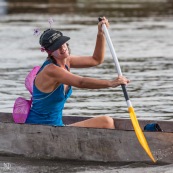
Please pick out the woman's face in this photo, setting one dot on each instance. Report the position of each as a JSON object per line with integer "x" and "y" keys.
{"x": 62, "y": 52}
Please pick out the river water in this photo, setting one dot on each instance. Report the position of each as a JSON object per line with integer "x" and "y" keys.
{"x": 142, "y": 33}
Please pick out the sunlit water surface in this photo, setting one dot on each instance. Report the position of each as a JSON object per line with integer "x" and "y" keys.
{"x": 142, "y": 33}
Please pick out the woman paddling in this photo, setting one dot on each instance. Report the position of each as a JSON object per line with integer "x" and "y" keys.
{"x": 52, "y": 85}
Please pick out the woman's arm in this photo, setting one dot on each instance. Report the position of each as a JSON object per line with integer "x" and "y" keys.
{"x": 60, "y": 75}
{"x": 99, "y": 51}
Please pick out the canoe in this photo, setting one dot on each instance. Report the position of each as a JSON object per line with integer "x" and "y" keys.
{"x": 87, "y": 144}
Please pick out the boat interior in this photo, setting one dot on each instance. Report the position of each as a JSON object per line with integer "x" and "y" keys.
{"x": 120, "y": 124}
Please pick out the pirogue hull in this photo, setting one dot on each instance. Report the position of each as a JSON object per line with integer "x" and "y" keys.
{"x": 88, "y": 144}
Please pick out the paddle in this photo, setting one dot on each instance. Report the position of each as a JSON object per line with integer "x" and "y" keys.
{"x": 134, "y": 120}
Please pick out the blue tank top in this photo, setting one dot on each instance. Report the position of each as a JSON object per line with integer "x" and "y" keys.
{"x": 47, "y": 108}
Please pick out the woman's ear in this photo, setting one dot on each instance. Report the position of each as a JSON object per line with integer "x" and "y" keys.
{"x": 55, "y": 54}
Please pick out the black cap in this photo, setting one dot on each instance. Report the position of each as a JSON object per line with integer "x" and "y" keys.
{"x": 52, "y": 39}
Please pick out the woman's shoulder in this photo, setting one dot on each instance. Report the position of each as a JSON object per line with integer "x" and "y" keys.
{"x": 50, "y": 68}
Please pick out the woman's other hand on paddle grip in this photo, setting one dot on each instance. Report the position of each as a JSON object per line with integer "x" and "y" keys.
{"x": 119, "y": 81}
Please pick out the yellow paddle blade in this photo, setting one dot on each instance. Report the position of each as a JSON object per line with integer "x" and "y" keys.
{"x": 139, "y": 133}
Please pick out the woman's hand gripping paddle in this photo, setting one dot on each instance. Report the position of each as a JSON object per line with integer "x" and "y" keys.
{"x": 134, "y": 120}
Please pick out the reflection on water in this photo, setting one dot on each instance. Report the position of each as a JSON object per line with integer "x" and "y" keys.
{"x": 3, "y": 7}
{"x": 116, "y": 8}
{"x": 16, "y": 165}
